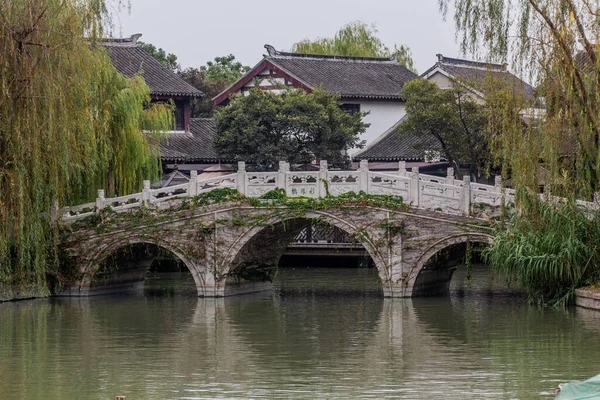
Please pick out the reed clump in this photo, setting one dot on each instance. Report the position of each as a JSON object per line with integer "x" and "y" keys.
{"x": 552, "y": 251}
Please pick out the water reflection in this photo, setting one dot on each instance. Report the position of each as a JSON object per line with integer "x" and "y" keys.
{"x": 296, "y": 343}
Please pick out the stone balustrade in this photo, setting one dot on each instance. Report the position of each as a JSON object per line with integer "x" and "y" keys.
{"x": 445, "y": 194}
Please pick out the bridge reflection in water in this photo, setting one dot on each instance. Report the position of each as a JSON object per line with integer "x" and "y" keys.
{"x": 299, "y": 345}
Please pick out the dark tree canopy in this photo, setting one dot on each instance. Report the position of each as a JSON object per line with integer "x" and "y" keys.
{"x": 355, "y": 39}
{"x": 168, "y": 59}
{"x": 224, "y": 69}
{"x": 212, "y": 79}
{"x": 448, "y": 121}
{"x": 263, "y": 128}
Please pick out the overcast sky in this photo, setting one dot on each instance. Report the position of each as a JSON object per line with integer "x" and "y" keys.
{"x": 198, "y": 30}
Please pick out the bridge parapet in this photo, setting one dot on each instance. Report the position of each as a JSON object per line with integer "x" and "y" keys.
{"x": 418, "y": 190}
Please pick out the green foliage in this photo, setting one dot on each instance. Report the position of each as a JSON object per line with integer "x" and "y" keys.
{"x": 355, "y": 39}
{"x": 347, "y": 200}
{"x": 551, "y": 255}
{"x": 169, "y": 60}
{"x": 448, "y": 121}
{"x": 224, "y": 69}
{"x": 263, "y": 128}
{"x": 211, "y": 80}
{"x": 69, "y": 124}
{"x": 275, "y": 194}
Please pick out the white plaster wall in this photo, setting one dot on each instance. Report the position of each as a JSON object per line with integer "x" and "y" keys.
{"x": 382, "y": 115}
{"x": 443, "y": 82}
{"x": 440, "y": 80}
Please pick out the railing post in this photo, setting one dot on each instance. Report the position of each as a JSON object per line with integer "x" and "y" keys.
{"x": 402, "y": 168}
{"x": 240, "y": 181}
{"x": 193, "y": 189}
{"x": 54, "y": 210}
{"x": 146, "y": 193}
{"x": 415, "y": 186}
{"x": 498, "y": 183}
{"x": 323, "y": 178}
{"x": 450, "y": 176}
{"x": 363, "y": 180}
{"x": 100, "y": 200}
{"x": 498, "y": 189}
{"x": 465, "y": 196}
{"x": 284, "y": 167}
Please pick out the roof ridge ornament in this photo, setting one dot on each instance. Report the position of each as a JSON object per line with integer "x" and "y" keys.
{"x": 135, "y": 37}
{"x": 271, "y": 50}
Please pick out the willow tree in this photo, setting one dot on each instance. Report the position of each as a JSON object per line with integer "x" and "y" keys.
{"x": 355, "y": 39}
{"x": 69, "y": 124}
{"x": 555, "y": 43}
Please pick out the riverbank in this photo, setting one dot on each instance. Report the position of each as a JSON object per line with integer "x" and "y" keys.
{"x": 21, "y": 293}
{"x": 588, "y": 298}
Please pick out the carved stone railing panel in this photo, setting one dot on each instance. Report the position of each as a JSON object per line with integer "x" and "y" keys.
{"x": 388, "y": 184}
{"x": 259, "y": 183}
{"x": 261, "y": 178}
{"x": 124, "y": 202}
{"x": 486, "y": 194}
{"x": 439, "y": 196}
{"x": 78, "y": 212}
{"x": 341, "y": 182}
{"x": 169, "y": 192}
{"x": 304, "y": 184}
{"x": 225, "y": 181}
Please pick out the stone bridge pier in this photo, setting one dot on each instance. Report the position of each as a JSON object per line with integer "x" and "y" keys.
{"x": 234, "y": 249}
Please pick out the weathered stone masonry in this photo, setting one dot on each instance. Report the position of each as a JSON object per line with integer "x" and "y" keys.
{"x": 217, "y": 241}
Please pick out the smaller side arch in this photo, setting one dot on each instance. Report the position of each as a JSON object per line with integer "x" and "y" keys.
{"x": 101, "y": 253}
{"x": 434, "y": 249}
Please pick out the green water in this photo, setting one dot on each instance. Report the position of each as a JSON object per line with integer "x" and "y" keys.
{"x": 308, "y": 340}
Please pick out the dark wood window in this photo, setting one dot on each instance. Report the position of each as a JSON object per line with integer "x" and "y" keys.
{"x": 350, "y": 108}
{"x": 179, "y": 115}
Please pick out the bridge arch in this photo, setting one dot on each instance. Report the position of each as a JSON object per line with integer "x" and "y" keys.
{"x": 418, "y": 284}
{"x": 250, "y": 244}
{"x": 104, "y": 251}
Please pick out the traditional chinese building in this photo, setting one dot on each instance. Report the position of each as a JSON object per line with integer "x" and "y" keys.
{"x": 470, "y": 75}
{"x": 364, "y": 84}
{"x": 189, "y": 146}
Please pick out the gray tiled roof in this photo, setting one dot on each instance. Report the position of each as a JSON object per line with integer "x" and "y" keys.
{"x": 473, "y": 73}
{"x": 130, "y": 59}
{"x": 369, "y": 78}
{"x": 194, "y": 146}
{"x": 391, "y": 146}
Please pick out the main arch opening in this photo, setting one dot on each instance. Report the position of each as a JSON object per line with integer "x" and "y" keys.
{"x": 142, "y": 267}
{"x": 307, "y": 255}
{"x": 456, "y": 267}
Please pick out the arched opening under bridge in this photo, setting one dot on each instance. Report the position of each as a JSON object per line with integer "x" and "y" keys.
{"x": 455, "y": 266}
{"x": 316, "y": 254}
{"x": 140, "y": 266}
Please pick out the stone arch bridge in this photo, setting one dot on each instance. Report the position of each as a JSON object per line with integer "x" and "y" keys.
{"x": 231, "y": 246}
